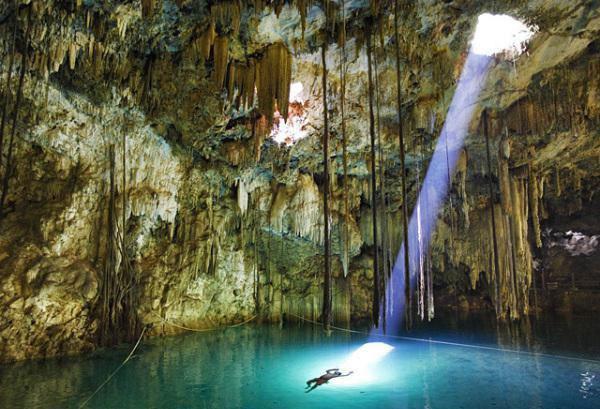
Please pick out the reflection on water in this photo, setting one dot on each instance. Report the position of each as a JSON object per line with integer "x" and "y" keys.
{"x": 587, "y": 384}
{"x": 265, "y": 367}
{"x": 577, "y": 335}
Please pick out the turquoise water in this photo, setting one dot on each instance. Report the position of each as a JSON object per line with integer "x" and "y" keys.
{"x": 264, "y": 367}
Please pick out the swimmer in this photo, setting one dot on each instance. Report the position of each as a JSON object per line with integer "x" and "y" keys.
{"x": 323, "y": 379}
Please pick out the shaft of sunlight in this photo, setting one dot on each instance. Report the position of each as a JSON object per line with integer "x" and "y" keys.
{"x": 494, "y": 34}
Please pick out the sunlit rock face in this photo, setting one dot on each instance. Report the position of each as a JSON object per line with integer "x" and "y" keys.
{"x": 220, "y": 222}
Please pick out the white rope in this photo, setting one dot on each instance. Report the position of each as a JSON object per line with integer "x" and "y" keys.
{"x": 203, "y": 329}
{"x": 433, "y": 341}
{"x": 115, "y": 371}
{"x": 138, "y": 343}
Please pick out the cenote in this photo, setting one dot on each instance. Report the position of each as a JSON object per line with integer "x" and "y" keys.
{"x": 299, "y": 204}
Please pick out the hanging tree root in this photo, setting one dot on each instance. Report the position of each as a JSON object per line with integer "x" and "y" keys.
{"x": 407, "y": 296}
{"x": 8, "y": 166}
{"x": 342, "y": 40}
{"x": 376, "y": 275}
{"x": 7, "y": 91}
{"x": 327, "y": 280}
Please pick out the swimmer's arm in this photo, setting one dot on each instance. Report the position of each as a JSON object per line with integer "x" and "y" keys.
{"x": 329, "y": 371}
{"x": 348, "y": 374}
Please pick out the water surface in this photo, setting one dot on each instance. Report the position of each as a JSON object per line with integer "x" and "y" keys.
{"x": 262, "y": 366}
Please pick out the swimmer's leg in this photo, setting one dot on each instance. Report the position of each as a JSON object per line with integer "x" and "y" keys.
{"x": 313, "y": 387}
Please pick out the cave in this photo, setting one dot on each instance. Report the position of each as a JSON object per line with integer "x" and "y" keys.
{"x": 299, "y": 204}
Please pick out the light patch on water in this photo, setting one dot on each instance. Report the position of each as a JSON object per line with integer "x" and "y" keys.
{"x": 501, "y": 33}
{"x": 363, "y": 363}
{"x": 587, "y": 384}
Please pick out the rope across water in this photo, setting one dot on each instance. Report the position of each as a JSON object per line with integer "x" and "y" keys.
{"x": 203, "y": 329}
{"x": 140, "y": 340}
{"x": 115, "y": 371}
{"x": 457, "y": 344}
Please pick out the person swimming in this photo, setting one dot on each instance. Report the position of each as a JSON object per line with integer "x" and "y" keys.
{"x": 323, "y": 379}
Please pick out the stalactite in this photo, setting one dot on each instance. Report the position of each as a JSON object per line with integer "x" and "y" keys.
{"x": 8, "y": 166}
{"x": 279, "y": 273}
{"x": 327, "y": 280}
{"x": 492, "y": 199}
{"x": 221, "y": 57}
{"x": 198, "y": 258}
{"x": 123, "y": 21}
{"x": 534, "y": 197}
{"x": 149, "y": 7}
{"x": 462, "y": 167}
{"x": 274, "y": 75}
{"x": 576, "y": 174}
{"x": 231, "y": 76}
{"x": 512, "y": 273}
{"x": 407, "y": 295}
{"x": 503, "y": 171}
{"x": 73, "y": 49}
{"x": 376, "y": 275}
{"x": 258, "y": 5}
{"x": 270, "y": 73}
{"x": 256, "y": 265}
{"x": 374, "y": 7}
{"x": 267, "y": 261}
{"x": 509, "y": 275}
{"x": 148, "y": 75}
{"x": 519, "y": 247}
{"x": 212, "y": 244}
{"x": 506, "y": 262}
{"x": 449, "y": 178}
{"x": 303, "y": 6}
{"x": 245, "y": 77}
{"x": 557, "y": 184}
{"x": 89, "y": 16}
{"x": 242, "y": 197}
{"x": 205, "y": 41}
{"x": 227, "y": 16}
